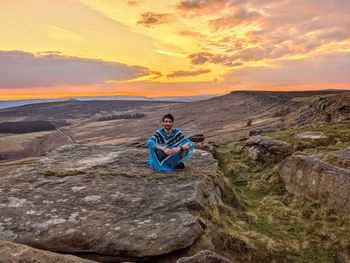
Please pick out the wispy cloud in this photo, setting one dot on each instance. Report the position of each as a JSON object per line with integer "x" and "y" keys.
{"x": 169, "y": 53}
{"x": 187, "y": 73}
{"x": 63, "y": 34}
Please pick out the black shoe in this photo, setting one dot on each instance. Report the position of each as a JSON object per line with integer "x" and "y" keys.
{"x": 180, "y": 166}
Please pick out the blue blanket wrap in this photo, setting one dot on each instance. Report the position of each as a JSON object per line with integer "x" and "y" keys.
{"x": 162, "y": 162}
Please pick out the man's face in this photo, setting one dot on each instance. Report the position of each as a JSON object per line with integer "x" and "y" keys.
{"x": 167, "y": 123}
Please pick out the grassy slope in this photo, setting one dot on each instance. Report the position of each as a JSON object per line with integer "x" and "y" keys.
{"x": 262, "y": 222}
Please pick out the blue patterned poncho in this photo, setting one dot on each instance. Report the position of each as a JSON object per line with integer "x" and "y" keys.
{"x": 162, "y": 162}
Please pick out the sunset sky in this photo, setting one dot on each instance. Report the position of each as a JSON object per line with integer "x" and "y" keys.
{"x": 67, "y": 48}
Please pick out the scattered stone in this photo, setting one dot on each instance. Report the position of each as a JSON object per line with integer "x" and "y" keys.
{"x": 266, "y": 150}
{"x": 318, "y": 180}
{"x": 314, "y": 135}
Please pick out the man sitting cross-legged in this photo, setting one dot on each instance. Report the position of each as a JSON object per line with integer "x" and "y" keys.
{"x": 168, "y": 148}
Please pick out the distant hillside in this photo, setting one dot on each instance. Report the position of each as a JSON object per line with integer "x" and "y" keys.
{"x": 292, "y": 94}
{"x": 74, "y": 109}
{"x": 15, "y": 103}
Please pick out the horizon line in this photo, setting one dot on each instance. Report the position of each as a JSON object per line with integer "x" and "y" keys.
{"x": 179, "y": 96}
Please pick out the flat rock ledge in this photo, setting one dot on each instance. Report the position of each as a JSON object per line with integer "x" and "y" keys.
{"x": 318, "y": 180}
{"x": 103, "y": 202}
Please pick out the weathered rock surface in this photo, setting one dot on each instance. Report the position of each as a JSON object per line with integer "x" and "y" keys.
{"x": 205, "y": 256}
{"x": 343, "y": 155}
{"x": 11, "y": 252}
{"x": 262, "y": 130}
{"x": 318, "y": 180}
{"x": 265, "y": 149}
{"x": 103, "y": 202}
{"x": 311, "y": 135}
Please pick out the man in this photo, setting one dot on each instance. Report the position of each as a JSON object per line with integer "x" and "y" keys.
{"x": 168, "y": 148}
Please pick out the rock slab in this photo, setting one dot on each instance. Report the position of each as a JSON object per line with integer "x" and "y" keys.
{"x": 102, "y": 201}
{"x": 318, "y": 180}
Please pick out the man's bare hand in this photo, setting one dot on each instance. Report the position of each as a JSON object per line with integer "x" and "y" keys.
{"x": 186, "y": 146}
{"x": 176, "y": 149}
{"x": 167, "y": 151}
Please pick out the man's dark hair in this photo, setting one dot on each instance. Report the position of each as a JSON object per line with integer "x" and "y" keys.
{"x": 168, "y": 116}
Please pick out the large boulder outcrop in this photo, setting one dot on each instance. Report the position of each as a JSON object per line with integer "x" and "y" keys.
{"x": 11, "y": 252}
{"x": 267, "y": 150}
{"x": 205, "y": 256}
{"x": 317, "y": 180}
{"x": 103, "y": 202}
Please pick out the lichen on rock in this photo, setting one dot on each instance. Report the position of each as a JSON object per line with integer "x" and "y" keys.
{"x": 115, "y": 207}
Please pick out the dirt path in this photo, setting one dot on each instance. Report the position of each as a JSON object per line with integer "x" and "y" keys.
{"x": 70, "y": 138}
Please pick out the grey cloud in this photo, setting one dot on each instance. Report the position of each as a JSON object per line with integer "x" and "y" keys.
{"x": 21, "y": 69}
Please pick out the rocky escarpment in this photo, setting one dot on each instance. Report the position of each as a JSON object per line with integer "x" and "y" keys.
{"x": 105, "y": 204}
{"x": 326, "y": 109}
